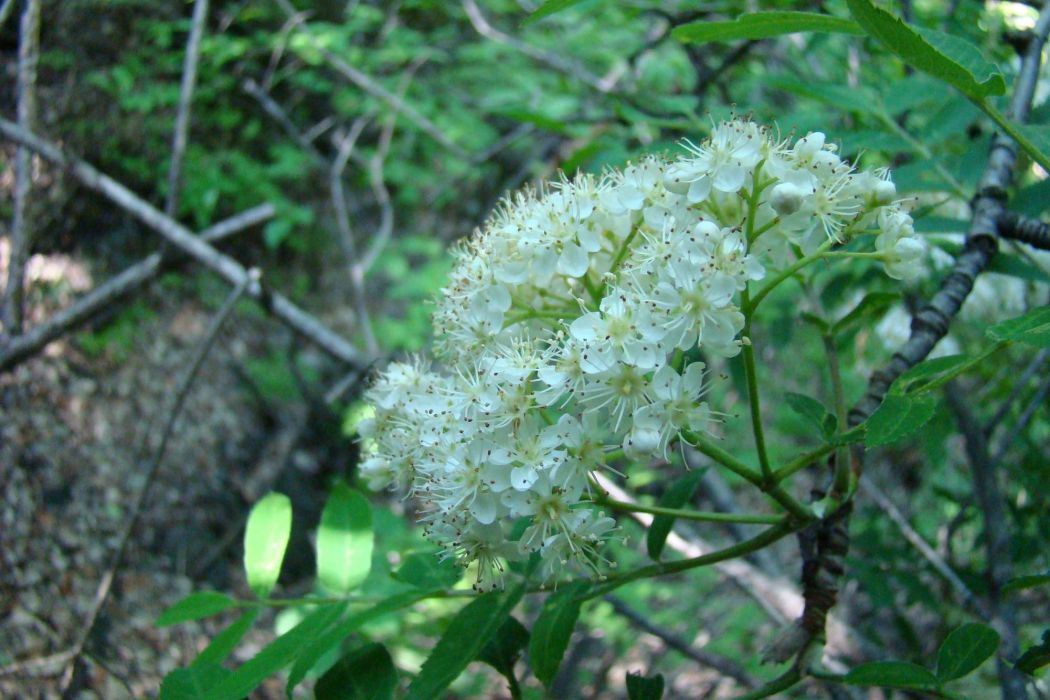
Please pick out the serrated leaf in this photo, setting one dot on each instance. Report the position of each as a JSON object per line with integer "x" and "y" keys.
{"x": 897, "y": 418}
{"x": 677, "y": 495}
{"x": 275, "y": 656}
{"x": 549, "y": 8}
{"x": 467, "y": 634}
{"x": 813, "y": 411}
{"x": 966, "y": 648}
{"x": 1033, "y": 328}
{"x": 191, "y": 683}
{"x": 195, "y": 606}
{"x": 265, "y": 540}
{"x": 313, "y": 649}
{"x": 366, "y": 673}
{"x": 762, "y": 25}
{"x": 1035, "y": 657}
{"x": 223, "y": 644}
{"x": 502, "y": 651}
{"x": 641, "y": 688}
{"x": 1022, "y": 582}
{"x": 553, "y": 628}
{"x": 428, "y": 570}
{"x": 943, "y": 56}
{"x": 926, "y": 371}
{"x": 344, "y": 540}
{"x": 892, "y": 674}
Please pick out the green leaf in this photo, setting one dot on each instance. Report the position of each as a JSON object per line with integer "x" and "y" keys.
{"x": 677, "y": 495}
{"x": 226, "y": 641}
{"x": 503, "y": 650}
{"x": 872, "y": 304}
{"x": 191, "y": 683}
{"x": 762, "y": 25}
{"x": 320, "y": 644}
{"x": 428, "y": 570}
{"x": 464, "y": 639}
{"x": 925, "y": 372}
{"x": 367, "y": 673}
{"x": 265, "y": 540}
{"x": 1033, "y": 328}
{"x": 344, "y": 540}
{"x": 892, "y": 674}
{"x": 195, "y": 606}
{"x": 966, "y": 648}
{"x": 943, "y": 56}
{"x": 813, "y": 411}
{"x": 549, "y": 8}
{"x": 1022, "y": 582}
{"x": 897, "y": 418}
{"x": 1035, "y": 657}
{"x": 553, "y": 628}
{"x": 275, "y": 656}
{"x": 641, "y": 688}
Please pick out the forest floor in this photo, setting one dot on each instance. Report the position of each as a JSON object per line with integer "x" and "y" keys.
{"x": 78, "y": 429}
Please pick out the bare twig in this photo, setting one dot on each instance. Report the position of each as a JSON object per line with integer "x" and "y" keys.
{"x": 1022, "y": 422}
{"x": 1022, "y": 382}
{"x": 966, "y": 596}
{"x": 228, "y": 268}
{"x": 5, "y": 10}
{"x": 346, "y": 234}
{"x": 24, "y": 346}
{"x": 182, "y": 116}
{"x": 999, "y": 564}
{"x": 719, "y": 663}
{"x": 374, "y": 88}
{"x": 559, "y": 63}
{"x": 277, "y": 113}
{"x": 181, "y": 392}
{"x": 21, "y": 233}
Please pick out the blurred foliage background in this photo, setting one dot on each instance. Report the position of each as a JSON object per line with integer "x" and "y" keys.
{"x": 491, "y": 103}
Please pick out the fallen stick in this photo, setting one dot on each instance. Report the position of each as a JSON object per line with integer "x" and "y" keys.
{"x": 24, "y": 346}
{"x": 182, "y": 238}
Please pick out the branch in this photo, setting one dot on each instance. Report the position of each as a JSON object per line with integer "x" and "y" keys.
{"x": 999, "y": 567}
{"x": 24, "y": 346}
{"x": 1020, "y": 228}
{"x": 1030, "y": 371}
{"x": 966, "y": 596}
{"x": 183, "y": 390}
{"x": 481, "y": 26}
{"x": 5, "y": 11}
{"x": 717, "y": 662}
{"x": 182, "y": 116}
{"x": 824, "y": 543}
{"x": 372, "y": 87}
{"x": 228, "y": 268}
{"x": 21, "y": 235}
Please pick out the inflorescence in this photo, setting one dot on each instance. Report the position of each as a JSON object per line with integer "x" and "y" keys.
{"x": 562, "y": 331}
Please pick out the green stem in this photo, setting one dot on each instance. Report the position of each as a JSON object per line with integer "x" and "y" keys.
{"x": 620, "y": 255}
{"x": 762, "y": 540}
{"x": 788, "y": 679}
{"x": 788, "y": 272}
{"x": 754, "y": 403}
{"x": 702, "y": 516}
{"x": 802, "y": 461}
{"x": 595, "y": 292}
{"x": 705, "y": 446}
{"x": 861, "y": 255}
{"x": 1013, "y": 132}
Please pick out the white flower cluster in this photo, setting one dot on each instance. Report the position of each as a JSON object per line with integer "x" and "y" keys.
{"x": 563, "y": 328}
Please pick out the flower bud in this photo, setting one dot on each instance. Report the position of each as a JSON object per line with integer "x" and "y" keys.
{"x": 884, "y": 192}
{"x": 785, "y": 199}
